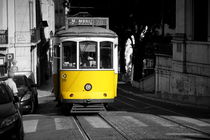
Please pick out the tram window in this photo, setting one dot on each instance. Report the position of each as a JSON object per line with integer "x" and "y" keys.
{"x": 106, "y": 52}
{"x": 69, "y": 54}
{"x": 88, "y": 55}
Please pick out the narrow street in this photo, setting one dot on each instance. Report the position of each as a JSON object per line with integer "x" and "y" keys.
{"x": 129, "y": 117}
{"x": 158, "y": 50}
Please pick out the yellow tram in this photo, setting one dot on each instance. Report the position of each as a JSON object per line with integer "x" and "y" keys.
{"x": 85, "y": 64}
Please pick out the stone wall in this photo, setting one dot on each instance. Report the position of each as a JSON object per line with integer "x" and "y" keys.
{"x": 185, "y": 76}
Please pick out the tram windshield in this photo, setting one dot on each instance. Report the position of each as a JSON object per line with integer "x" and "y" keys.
{"x": 88, "y": 55}
{"x": 106, "y": 58}
{"x": 69, "y": 55}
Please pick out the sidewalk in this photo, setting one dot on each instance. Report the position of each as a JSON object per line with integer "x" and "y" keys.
{"x": 127, "y": 88}
{"x": 45, "y": 89}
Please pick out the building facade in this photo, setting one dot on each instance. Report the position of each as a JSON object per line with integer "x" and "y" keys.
{"x": 185, "y": 76}
{"x": 59, "y": 14}
{"x": 47, "y": 13}
{"x": 21, "y": 23}
{"x": 18, "y": 19}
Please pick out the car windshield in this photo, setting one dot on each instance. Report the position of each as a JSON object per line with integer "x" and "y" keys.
{"x": 20, "y": 81}
{"x": 4, "y": 96}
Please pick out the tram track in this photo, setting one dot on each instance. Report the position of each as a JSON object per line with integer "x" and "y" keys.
{"x": 84, "y": 134}
{"x": 139, "y": 96}
{"x": 124, "y": 135}
{"x": 158, "y": 106}
{"x": 87, "y": 136}
{"x": 161, "y": 116}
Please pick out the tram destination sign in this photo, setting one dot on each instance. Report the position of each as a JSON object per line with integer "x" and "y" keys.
{"x": 87, "y": 21}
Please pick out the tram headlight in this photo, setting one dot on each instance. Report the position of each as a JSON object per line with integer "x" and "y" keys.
{"x": 64, "y": 76}
{"x": 88, "y": 87}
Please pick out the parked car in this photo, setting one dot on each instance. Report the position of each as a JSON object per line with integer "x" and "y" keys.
{"x": 27, "y": 94}
{"x": 11, "y": 125}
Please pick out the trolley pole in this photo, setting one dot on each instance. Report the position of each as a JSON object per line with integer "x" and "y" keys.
{"x": 66, "y": 6}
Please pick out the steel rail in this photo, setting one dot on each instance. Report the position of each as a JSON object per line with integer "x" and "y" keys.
{"x": 126, "y": 137}
{"x": 84, "y": 134}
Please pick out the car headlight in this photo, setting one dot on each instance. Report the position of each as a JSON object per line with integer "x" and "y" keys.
{"x": 26, "y": 97}
{"x": 9, "y": 120}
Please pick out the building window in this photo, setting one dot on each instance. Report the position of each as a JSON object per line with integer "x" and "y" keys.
{"x": 31, "y": 14}
{"x": 179, "y": 47}
{"x": 200, "y": 20}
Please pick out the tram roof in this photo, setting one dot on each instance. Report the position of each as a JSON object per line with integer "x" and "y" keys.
{"x": 83, "y": 31}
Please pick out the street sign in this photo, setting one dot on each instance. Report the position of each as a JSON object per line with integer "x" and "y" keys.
{"x": 9, "y": 57}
